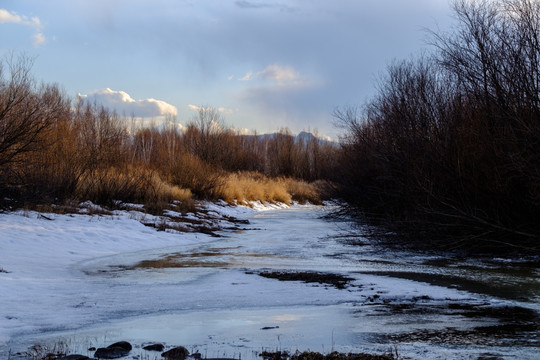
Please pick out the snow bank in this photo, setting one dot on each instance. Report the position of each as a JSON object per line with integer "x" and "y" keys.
{"x": 39, "y": 251}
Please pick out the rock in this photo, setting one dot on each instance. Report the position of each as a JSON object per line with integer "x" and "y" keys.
{"x": 75, "y": 357}
{"x": 177, "y": 353}
{"x": 154, "y": 347}
{"x": 110, "y": 353}
{"x": 92, "y": 349}
{"x": 122, "y": 345}
{"x": 114, "y": 351}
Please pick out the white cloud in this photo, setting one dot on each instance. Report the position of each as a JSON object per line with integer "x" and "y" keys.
{"x": 39, "y": 39}
{"x": 225, "y": 110}
{"x": 243, "y": 131}
{"x": 221, "y": 110}
{"x": 279, "y": 73}
{"x": 124, "y": 104}
{"x": 172, "y": 125}
{"x": 34, "y": 22}
{"x": 8, "y": 17}
{"x": 194, "y": 107}
{"x": 247, "y": 77}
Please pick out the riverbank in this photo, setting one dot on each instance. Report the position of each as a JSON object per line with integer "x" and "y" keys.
{"x": 124, "y": 349}
{"x": 90, "y": 280}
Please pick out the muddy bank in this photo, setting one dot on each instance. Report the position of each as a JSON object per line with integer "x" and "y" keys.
{"x": 339, "y": 281}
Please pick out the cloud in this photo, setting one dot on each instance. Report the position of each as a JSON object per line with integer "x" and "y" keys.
{"x": 39, "y": 39}
{"x": 194, "y": 107}
{"x": 277, "y": 75}
{"x": 280, "y": 74}
{"x": 247, "y": 77}
{"x": 172, "y": 125}
{"x": 243, "y": 131}
{"x": 262, "y": 5}
{"x": 225, "y": 110}
{"x": 251, "y": 5}
{"x": 221, "y": 109}
{"x": 34, "y": 22}
{"x": 8, "y": 17}
{"x": 282, "y": 93}
{"x": 124, "y": 104}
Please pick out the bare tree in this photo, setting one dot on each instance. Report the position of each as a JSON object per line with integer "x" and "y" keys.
{"x": 26, "y": 110}
{"x": 449, "y": 144}
{"x": 204, "y": 133}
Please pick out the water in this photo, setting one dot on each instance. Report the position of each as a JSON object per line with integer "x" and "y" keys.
{"x": 210, "y": 298}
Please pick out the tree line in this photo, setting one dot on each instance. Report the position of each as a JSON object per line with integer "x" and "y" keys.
{"x": 448, "y": 151}
{"x": 55, "y": 149}
{"x": 446, "y": 154}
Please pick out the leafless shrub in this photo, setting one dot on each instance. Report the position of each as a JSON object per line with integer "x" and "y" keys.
{"x": 29, "y": 116}
{"x": 53, "y": 150}
{"x": 449, "y": 146}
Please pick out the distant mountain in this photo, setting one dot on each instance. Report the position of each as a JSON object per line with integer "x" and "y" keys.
{"x": 303, "y": 136}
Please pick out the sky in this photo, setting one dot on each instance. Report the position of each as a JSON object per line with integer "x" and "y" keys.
{"x": 263, "y": 64}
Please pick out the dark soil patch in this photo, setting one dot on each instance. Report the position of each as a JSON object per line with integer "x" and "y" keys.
{"x": 205, "y": 222}
{"x": 522, "y": 292}
{"x": 339, "y": 281}
{"x": 200, "y": 228}
{"x": 176, "y": 262}
{"x": 215, "y": 258}
{"x": 309, "y": 355}
{"x": 498, "y": 335}
{"x": 515, "y": 314}
{"x": 512, "y": 325}
{"x": 503, "y": 313}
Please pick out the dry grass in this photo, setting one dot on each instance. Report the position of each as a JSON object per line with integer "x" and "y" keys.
{"x": 251, "y": 186}
{"x": 130, "y": 184}
{"x": 190, "y": 172}
{"x": 302, "y": 191}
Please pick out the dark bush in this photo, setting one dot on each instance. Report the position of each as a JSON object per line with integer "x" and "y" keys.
{"x": 449, "y": 149}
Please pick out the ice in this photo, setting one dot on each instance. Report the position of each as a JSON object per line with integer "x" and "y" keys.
{"x": 76, "y": 276}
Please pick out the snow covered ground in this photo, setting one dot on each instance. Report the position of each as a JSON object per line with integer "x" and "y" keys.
{"x": 74, "y": 277}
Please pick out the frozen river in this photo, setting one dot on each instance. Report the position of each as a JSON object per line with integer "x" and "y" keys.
{"x": 90, "y": 281}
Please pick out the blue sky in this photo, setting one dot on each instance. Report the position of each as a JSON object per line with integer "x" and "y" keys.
{"x": 265, "y": 64}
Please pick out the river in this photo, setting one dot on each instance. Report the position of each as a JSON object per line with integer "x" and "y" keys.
{"x": 210, "y": 296}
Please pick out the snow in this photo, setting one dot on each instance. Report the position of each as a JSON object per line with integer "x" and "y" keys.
{"x": 43, "y": 289}
{"x": 67, "y": 274}
{"x": 39, "y": 255}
